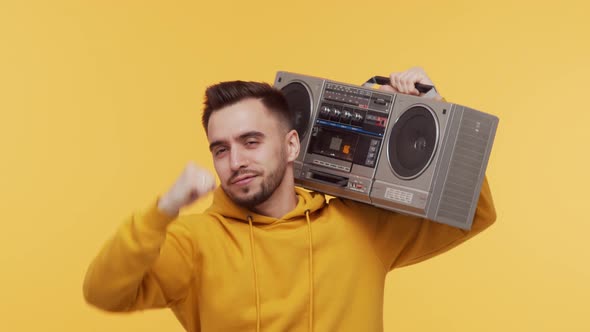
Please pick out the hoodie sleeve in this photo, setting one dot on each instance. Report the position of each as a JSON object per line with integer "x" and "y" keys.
{"x": 404, "y": 240}
{"x": 148, "y": 263}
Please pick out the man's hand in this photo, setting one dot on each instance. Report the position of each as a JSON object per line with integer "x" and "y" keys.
{"x": 403, "y": 82}
{"x": 194, "y": 183}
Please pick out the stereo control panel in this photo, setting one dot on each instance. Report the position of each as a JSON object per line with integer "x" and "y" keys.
{"x": 349, "y": 126}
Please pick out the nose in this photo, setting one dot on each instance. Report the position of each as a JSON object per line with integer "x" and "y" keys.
{"x": 238, "y": 158}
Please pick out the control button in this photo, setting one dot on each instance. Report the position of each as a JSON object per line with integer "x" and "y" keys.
{"x": 374, "y": 142}
{"x": 380, "y": 101}
{"x": 346, "y": 116}
{"x": 336, "y": 113}
{"x": 372, "y": 149}
{"x": 356, "y": 186}
{"x": 357, "y": 117}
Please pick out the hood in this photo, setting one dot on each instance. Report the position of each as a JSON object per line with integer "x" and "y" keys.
{"x": 307, "y": 201}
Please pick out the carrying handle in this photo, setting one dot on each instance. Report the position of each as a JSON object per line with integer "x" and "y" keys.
{"x": 382, "y": 80}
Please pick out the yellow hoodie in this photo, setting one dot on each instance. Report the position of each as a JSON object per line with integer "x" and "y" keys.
{"x": 320, "y": 267}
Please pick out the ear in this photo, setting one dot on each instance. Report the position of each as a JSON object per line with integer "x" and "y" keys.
{"x": 293, "y": 146}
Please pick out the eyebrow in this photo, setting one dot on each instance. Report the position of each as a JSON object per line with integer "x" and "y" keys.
{"x": 252, "y": 133}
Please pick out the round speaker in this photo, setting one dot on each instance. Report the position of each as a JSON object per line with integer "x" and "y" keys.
{"x": 412, "y": 142}
{"x": 299, "y": 101}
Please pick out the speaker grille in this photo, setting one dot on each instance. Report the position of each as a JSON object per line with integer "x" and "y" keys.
{"x": 468, "y": 156}
{"x": 412, "y": 142}
{"x": 299, "y": 102}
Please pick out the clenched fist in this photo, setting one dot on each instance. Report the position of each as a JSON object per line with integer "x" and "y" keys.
{"x": 193, "y": 183}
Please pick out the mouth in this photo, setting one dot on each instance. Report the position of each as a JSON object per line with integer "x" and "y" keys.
{"x": 243, "y": 179}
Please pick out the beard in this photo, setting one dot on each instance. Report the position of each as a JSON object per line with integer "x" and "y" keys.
{"x": 250, "y": 197}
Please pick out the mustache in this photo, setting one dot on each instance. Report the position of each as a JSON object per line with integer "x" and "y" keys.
{"x": 242, "y": 172}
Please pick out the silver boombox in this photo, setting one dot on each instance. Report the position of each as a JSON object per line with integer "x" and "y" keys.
{"x": 399, "y": 152}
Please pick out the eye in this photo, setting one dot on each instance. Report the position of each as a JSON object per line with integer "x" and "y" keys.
{"x": 252, "y": 143}
{"x": 219, "y": 151}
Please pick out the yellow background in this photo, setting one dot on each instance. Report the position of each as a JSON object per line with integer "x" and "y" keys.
{"x": 100, "y": 109}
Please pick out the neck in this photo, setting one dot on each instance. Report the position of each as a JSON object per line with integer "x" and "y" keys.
{"x": 283, "y": 199}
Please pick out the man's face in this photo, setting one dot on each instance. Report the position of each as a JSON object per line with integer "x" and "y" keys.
{"x": 249, "y": 148}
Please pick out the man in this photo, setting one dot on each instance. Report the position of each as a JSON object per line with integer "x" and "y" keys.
{"x": 265, "y": 255}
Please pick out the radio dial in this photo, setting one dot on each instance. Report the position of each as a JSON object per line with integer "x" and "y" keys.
{"x": 358, "y": 117}
{"x": 336, "y": 113}
{"x": 325, "y": 112}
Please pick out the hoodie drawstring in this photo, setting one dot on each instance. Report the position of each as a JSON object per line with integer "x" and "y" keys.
{"x": 310, "y": 272}
{"x": 257, "y": 290}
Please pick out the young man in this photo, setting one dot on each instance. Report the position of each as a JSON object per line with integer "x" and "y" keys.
{"x": 266, "y": 255}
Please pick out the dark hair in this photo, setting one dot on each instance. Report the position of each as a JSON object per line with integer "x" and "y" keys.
{"x": 225, "y": 94}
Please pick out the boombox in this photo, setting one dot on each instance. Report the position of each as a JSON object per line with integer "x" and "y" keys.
{"x": 403, "y": 153}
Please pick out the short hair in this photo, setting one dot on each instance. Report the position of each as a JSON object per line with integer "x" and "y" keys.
{"x": 228, "y": 93}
